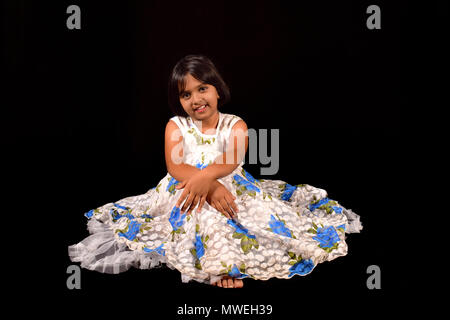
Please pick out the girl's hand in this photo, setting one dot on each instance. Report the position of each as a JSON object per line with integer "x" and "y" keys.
{"x": 196, "y": 189}
{"x": 221, "y": 199}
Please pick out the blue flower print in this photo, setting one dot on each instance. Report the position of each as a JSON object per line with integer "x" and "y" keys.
{"x": 248, "y": 241}
{"x": 199, "y": 248}
{"x": 160, "y": 250}
{"x": 288, "y": 191}
{"x": 249, "y": 177}
{"x": 313, "y": 206}
{"x": 235, "y": 273}
{"x": 120, "y": 207}
{"x": 303, "y": 267}
{"x": 342, "y": 226}
{"x": 326, "y": 204}
{"x": 201, "y": 166}
{"x": 133, "y": 230}
{"x": 176, "y": 219}
{"x": 116, "y": 215}
{"x": 278, "y": 227}
{"x": 239, "y": 228}
{"x": 89, "y": 214}
{"x": 171, "y": 185}
{"x": 146, "y": 216}
{"x": 242, "y": 182}
{"x": 327, "y": 237}
{"x": 337, "y": 209}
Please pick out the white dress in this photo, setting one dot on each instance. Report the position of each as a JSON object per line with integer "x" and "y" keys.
{"x": 281, "y": 230}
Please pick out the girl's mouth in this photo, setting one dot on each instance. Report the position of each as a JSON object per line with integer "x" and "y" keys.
{"x": 202, "y": 108}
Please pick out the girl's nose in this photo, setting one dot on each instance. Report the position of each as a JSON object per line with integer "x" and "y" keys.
{"x": 197, "y": 99}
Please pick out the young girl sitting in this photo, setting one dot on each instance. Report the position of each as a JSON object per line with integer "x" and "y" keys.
{"x": 242, "y": 227}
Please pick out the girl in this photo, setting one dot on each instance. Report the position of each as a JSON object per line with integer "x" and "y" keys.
{"x": 242, "y": 227}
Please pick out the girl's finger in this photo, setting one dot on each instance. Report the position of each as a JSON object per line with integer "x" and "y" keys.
{"x": 227, "y": 208}
{"x": 215, "y": 206}
{"x": 202, "y": 202}
{"x": 233, "y": 205}
{"x": 221, "y": 209}
{"x": 230, "y": 197}
{"x": 181, "y": 185}
{"x": 182, "y": 197}
{"x": 187, "y": 203}
{"x": 193, "y": 204}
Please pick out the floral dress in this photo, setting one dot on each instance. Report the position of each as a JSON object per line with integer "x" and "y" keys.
{"x": 281, "y": 230}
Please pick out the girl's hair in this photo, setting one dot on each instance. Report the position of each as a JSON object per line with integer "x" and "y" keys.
{"x": 202, "y": 69}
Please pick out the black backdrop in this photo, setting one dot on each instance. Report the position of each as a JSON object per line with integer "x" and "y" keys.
{"x": 89, "y": 108}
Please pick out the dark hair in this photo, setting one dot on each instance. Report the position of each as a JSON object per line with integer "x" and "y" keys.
{"x": 202, "y": 69}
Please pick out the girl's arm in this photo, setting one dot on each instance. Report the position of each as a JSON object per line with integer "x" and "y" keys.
{"x": 195, "y": 182}
{"x": 174, "y": 154}
{"x": 236, "y": 148}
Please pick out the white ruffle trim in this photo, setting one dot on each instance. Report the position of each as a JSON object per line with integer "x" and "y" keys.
{"x": 354, "y": 225}
{"x": 211, "y": 280}
{"x": 103, "y": 253}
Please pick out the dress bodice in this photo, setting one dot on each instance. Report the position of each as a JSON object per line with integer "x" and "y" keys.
{"x": 201, "y": 149}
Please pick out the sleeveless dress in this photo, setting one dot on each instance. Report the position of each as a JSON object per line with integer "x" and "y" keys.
{"x": 281, "y": 230}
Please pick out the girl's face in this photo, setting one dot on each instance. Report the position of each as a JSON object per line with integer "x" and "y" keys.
{"x": 199, "y": 99}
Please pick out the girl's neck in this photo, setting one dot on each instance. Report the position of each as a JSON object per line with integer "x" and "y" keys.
{"x": 208, "y": 124}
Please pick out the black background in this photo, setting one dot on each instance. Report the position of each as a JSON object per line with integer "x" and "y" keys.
{"x": 86, "y": 114}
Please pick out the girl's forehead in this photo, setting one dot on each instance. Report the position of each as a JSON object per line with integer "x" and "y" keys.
{"x": 188, "y": 83}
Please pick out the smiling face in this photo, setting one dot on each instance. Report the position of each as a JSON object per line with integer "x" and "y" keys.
{"x": 199, "y": 99}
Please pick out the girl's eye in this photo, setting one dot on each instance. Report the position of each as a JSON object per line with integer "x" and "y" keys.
{"x": 187, "y": 94}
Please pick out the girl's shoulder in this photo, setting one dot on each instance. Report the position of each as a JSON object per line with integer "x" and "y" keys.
{"x": 229, "y": 120}
{"x": 182, "y": 122}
